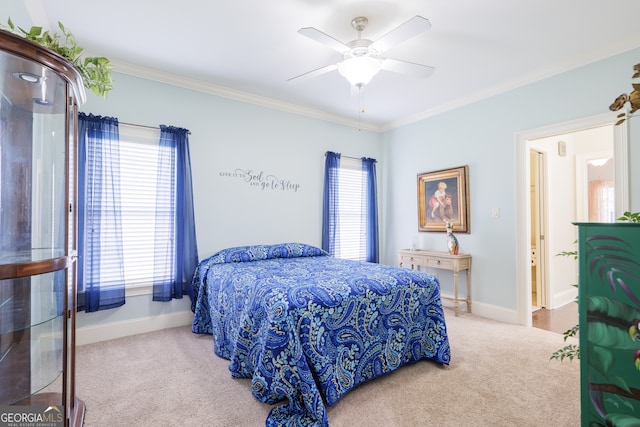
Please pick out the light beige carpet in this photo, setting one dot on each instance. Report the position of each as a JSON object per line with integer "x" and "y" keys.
{"x": 500, "y": 375}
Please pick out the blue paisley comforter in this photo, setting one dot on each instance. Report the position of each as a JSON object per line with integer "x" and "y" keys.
{"x": 307, "y": 327}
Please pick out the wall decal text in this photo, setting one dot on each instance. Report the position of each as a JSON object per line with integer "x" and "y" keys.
{"x": 262, "y": 180}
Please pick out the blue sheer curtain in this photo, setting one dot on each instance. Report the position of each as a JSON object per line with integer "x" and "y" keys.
{"x": 370, "y": 202}
{"x": 180, "y": 252}
{"x": 330, "y": 226}
{"x": 100, "y": 285}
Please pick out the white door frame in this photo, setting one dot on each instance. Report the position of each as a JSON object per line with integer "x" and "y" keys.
{"x": 523, "y": 204}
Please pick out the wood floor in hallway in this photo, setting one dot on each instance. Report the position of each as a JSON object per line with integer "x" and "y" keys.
{"x": 556, "y": 320}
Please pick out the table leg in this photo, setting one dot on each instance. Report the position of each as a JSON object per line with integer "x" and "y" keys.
{"x": 455, "y": 291}
{"x": 469, "y": 290}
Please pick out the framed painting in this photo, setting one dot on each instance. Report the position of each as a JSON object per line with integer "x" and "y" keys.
{"x": 443, "y": 196}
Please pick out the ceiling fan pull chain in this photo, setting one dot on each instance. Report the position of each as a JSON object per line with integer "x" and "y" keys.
{"x": 361, "y": 106}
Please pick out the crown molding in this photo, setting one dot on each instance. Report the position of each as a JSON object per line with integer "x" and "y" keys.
{"x": 37, "y": 13}
{"x": 250, "y": 98}
{"x": 237, "y": 95}
{"x": 538, "y": 75}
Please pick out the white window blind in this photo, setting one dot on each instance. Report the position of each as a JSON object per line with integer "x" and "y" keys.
{"x": 352, "y": 212}
{"x": 145, "y": 214}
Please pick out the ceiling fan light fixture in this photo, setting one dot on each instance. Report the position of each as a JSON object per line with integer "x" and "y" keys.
{"x": 359, "y": 70}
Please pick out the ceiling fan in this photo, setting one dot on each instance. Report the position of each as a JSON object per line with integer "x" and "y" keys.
{"x": 362, "y": 59}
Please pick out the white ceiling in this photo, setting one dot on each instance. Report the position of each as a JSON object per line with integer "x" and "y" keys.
{"x": 248, "y": 49}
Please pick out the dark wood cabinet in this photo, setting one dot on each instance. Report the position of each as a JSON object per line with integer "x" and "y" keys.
{"x": 40, "y": 93}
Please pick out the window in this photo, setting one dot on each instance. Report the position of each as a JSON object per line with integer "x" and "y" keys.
{"x": 352, "y": 237}
{"x": 601, "y": 186}
{"x": 350, "y": 222}
{"x": 602, "y": 202}
{"x": 145, "y": 213}
{"x": 144, "y": 216}
{"x": 135, "y": 212}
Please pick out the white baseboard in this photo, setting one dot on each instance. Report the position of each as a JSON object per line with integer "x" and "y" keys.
{"x": 563, "y": 298}
{"x": 109, "y": 331}
{"x": 489, "y": 311}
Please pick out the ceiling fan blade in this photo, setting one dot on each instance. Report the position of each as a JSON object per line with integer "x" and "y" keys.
{"x": 411, "y": 28}
{"x": 407, "y": 68}
{"x": 313, "y": 73}
{"x": 323, "y": 38}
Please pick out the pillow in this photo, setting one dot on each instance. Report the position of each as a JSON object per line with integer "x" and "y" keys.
{"x": 260, "y": 252}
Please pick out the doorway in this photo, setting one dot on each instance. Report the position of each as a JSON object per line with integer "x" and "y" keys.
{"x": 539, "y": 279}
{"x": 545, "y": 211}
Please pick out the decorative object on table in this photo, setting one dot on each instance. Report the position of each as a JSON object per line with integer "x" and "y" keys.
{"x": 633, "y": 98}
{"x": 443, "y": 197}
{"x": 452, "y": 241}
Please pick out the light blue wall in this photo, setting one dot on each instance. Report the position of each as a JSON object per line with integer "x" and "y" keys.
{"x": 227, "y": 135}
{"x": 482, "y": 136}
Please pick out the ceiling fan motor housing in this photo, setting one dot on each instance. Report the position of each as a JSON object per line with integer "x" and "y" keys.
{"x": 360, "y": 47}
{"x": 359, "y": 23}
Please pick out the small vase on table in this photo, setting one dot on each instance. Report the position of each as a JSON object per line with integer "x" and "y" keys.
{"x": 452, "y": 241}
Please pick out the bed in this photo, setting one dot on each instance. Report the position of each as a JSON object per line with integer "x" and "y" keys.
{"x": 307, "y": 328}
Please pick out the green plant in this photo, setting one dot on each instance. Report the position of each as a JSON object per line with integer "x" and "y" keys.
{"x": 95, "y": 71}
{"x": 569, "y": 351}
{"x": 630, "y": 217}
{"x": 572, "y": 351}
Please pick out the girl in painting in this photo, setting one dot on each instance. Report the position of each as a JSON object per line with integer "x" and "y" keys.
{"x": 440, "y": 203}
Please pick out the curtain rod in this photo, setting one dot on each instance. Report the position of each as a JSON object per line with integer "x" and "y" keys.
{"x": 144, "y": 126}
{"x": 346, "y": 157}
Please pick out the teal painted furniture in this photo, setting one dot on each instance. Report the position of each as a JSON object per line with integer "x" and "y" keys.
{"x": 609, "y": 316}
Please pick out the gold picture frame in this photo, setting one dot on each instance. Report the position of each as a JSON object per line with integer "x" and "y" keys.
{"x": 443, "y": 196}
